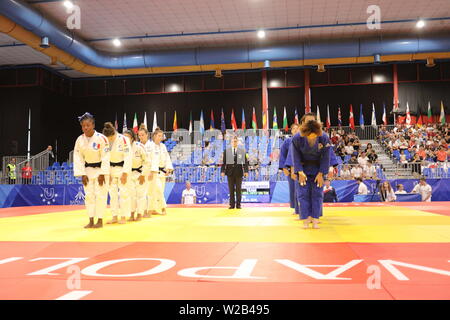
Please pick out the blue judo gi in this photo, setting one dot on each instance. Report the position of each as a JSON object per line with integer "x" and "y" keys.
{"x": 288, "y": 164}
{"x": 282, "y": 165}
{"x": 311, "y": 160}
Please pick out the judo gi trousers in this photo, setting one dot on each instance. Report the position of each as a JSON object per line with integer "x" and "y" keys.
{"x": 96, "y": 197}
{"x": 311, "y": 199}
{"x": 156, "y": 192}
{"x": 120, "y": 199}
{"x": 292, "y": 199}
{"x": 138, "y": 193}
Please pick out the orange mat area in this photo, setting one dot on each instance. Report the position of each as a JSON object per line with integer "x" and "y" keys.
{"x": 275, "y": 271}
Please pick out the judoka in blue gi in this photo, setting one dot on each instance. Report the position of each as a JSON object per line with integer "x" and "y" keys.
{"x": 285, "y": 164}
{"x": 311, "y": 157}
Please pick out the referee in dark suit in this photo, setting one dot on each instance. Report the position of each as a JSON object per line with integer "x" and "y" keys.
{"x": 235, "y": 166}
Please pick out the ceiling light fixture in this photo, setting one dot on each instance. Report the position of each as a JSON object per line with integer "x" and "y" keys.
{"x": 420, "y": 24}
{"x": 261, "y": 34}
{"x": 218, "y": 73}
{"x": 321, "y": 68}
{"x": 430, "y": 63}
{"x": 116, "y": 42}
{"x": 68, "y": 4}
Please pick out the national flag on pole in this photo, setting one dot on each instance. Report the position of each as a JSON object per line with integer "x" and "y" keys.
{"x": 442, "y": 117}
{"x": 233, "y": 120}
{"x": 175, "y": 124}
{"x": 190, "y": 122}
{"x": 202, "y": 123}
{"x": 351, "y": 119}
{"x": 145, "y": 120}
{"x": 211, "y": 124}
{"x": 374, "y": 118}
{"x": 318, "y": 114}
{"x": 124, "y": 128}
{"x": 384, "y": 118}
{"x": 328, "y": 124}
{"x": 285, "y": 121}
{"x": 296, "y": 116}
{"x": 408, "y": 114}
{"x": 420, "y": 121}
{"x": 429, "y": 114}
{"x": 254, "y": 123}
{"x": 275, "y": 120}
{"x": 135, "y": 124}
{"x": 361, "y": 117}
{"x": 339, "y": 117}
{"x": 116, "y": 123}
{"x": 155, "y": 124}
{"x": 243, "y": 120}
{"x": 222, "y": 121}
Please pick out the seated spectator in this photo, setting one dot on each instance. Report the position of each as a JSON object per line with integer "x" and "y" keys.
{"x": 424, "y": 189}
{"x": 386, "y": 192}
{"x": 403, "y": 157}
{"x": 353, "y": 160}
{"x": 369, "y": 171}
{"x": 362, "y": 159}
{"x": 441, "y": 154}
{"x": 346, "y": 173}
{"x": 362, "y": 188}
{"x": 329, "y": 193}
{"x": 400, "y": 189}
{"x": 349, "y": 149}
{"x": 357, "y": 172}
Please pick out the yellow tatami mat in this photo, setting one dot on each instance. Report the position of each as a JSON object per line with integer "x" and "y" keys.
{"x": 251, "y": 224}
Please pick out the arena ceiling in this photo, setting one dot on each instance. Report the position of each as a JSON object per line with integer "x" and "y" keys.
{"x": 172, "y": 24}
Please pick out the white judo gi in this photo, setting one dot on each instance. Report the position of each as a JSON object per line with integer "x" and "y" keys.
{"x": 159, "y": 161}
{"x": 140, "y": 167}
{"x": 91, "y": 158}
{"x": 120, "y": 162}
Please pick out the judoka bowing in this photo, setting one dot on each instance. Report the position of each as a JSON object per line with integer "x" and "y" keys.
{"x": 311, "y": 157}
{"x": 285, "y": 164}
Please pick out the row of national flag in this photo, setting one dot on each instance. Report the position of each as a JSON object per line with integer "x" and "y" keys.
{"x": 285, "y": 125}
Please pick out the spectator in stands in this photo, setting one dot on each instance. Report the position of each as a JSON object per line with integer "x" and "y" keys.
{"x": 386, "y": 192}
{"x": 370, "y": 171}
{"x": 329, "y": 193}
{"x": 362, "y": 188}
{"x": 188, "y": 196}
{"x": 353, "y": 160}
{"x": 441, "y": 154}
{"x": 11, "y": 171}
{"x": 362, "y": 159}
{"x": 27, "y": 173}
{"x": 346, "y": 173}
{"x": 357, "y": 171}
{"x": 424, "y": 189}
{"x": 415, "y": 164}
{"x": 349, "y": 148}
{"x": 400, "y": 189}
{"x": 372, "y": 155}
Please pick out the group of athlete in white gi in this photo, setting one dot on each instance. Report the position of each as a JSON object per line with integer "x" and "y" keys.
{"x": 131, "y": 167}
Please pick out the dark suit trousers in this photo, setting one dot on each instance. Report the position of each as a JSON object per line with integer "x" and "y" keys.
{"x": 234, "y": 186}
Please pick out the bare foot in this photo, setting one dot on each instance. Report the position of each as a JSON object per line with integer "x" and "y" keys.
{"x": 113, "y": 221}
{"x": 123, "y": 220}
{"x": 163, "y": 212}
